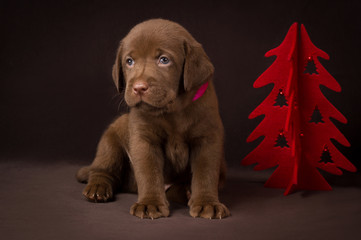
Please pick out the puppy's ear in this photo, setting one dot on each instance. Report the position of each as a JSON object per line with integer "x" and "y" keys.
{"x": 197, "y": 66}
{"x": 117, "y": 70}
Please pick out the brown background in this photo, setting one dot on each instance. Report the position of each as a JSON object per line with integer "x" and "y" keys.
{"x": 57, "y": 95}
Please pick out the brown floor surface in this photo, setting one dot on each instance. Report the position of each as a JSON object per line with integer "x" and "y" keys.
{"x": 44, "y": 201}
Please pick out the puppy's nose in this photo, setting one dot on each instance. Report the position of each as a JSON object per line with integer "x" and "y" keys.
{"x": 140, "y": 88}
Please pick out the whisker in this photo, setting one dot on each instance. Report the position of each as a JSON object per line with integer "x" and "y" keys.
{"x": 119, "y": 96}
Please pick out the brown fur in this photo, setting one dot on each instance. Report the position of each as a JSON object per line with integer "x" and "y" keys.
{"x": 168, "y": 138}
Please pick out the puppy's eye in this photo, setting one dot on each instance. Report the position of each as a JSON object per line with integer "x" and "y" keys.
{"x": 163, "y": 60}
{"x": 129, "y": 61}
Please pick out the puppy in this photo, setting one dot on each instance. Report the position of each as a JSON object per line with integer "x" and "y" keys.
{"x": 173, "y": 134}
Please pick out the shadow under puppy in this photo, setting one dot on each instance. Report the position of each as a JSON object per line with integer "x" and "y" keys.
{"x": 172, "y": 135}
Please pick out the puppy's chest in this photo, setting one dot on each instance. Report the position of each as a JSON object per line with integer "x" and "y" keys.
{"x": 177, "y": 152}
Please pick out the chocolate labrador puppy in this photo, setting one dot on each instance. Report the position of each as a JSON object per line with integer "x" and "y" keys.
{"x": 172, "y": 135}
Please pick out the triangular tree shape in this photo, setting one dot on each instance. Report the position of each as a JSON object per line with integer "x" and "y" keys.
{"x": 316, "y": 116}
{"x": 311, "y": 67}
{"x": 281, "y": 99}
{"x": 281, "y": 140}
{"x": 298, "y": 163}
{"x": 326, "y": 156}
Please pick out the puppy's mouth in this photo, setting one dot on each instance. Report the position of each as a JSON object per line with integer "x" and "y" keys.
{"x": 155, "y": 100}
{"x": 147, "y": 107}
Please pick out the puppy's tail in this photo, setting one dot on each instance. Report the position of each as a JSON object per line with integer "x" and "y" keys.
{"x": 83, "y": 174}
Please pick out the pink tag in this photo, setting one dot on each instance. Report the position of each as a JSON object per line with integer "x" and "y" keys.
{"x": 200, "y": 91}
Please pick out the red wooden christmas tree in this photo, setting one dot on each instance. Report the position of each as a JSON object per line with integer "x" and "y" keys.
{"x": 297, "y": 127}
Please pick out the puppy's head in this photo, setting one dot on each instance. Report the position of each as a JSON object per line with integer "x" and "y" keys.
{"x": 160, "y": 65}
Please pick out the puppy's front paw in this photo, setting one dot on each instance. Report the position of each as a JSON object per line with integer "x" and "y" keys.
{"x": 204, "y": 209}
{"x": 151, "y": 210}
{"x": 98, "y": 192}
